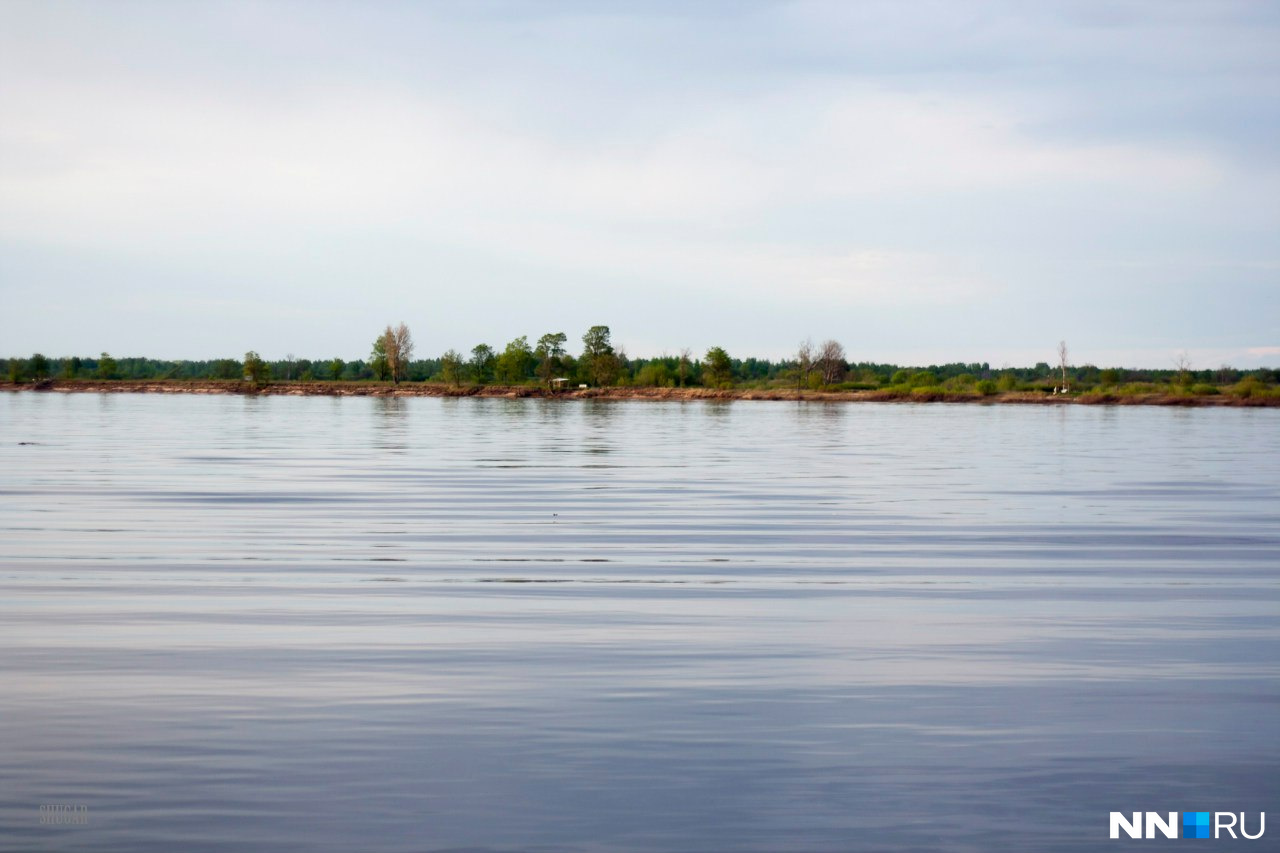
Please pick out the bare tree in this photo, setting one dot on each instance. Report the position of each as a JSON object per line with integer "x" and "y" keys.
{"x": 1062, "y": 362}
{"x": 804, "y": 363}
{"x": 398, "y": 345}
{"x": 830, "y": 362}
{"x": 682, "y": 367}
{"x": 1183, "y": 363}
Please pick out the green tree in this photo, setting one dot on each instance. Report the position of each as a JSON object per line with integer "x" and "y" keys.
{"x": 599, "y": 362}
{"x": 378, "y": 359}
{"x": 71, "y": 367}
{"x": 17, "y": 369}
{"x": 39, "y": 366}
{"x": 623, "y": 376}
{"x": 569, "y": 367}
{"x": 482, "y": 362}
{"x": 549, "y": 353}
{"x": 227, "y": 368}
{"x": 255, "y": 369}
{"x": 336, "y": 366}
{"x": 452, "y": 367}
{"x": 719, "y": 368}
{"x": 654, "y": 374}
{"x": 107, "y": 367}
{"x": 516, "y": 362}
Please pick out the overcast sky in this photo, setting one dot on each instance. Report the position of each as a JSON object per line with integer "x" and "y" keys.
{"x": 950, "y": 181}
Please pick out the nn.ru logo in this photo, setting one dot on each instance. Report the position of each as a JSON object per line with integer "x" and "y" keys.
{"x": 1194, "y": 824}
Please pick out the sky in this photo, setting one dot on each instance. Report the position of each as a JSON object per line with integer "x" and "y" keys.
{"x": 925, "y": 182}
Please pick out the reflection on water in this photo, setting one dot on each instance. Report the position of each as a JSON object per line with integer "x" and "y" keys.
{"x": 391, "y": 424}
{"x": 513, "y": 624}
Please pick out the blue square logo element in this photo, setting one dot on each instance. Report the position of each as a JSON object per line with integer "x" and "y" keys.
{"x": 1195, "y": 824}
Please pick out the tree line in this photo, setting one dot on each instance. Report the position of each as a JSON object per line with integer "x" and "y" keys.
{"x": 548, "y": 362}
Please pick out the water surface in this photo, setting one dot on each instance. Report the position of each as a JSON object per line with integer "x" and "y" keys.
{"x": 434, "y": 624}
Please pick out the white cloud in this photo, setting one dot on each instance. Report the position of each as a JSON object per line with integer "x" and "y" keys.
{"x": 143, "y": 171}
{"x": 122, "y": 164}
{"x": 830, "y": 155}
{"x": 764, "y": 273}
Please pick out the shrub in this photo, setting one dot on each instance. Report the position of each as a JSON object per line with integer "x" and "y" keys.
{"x": 1250, "y": 386}
{"x": 986, "y": 387}
{"x": 655, "y": 374}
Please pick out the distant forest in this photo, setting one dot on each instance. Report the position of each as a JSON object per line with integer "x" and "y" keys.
{"x": 600, "y": 363}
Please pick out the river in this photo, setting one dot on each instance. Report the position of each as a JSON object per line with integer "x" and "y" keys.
{"x": 380, "y": 624}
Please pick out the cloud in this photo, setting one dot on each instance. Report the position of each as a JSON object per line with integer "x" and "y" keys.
{"x": 763, "y": 273}
{"x": 772, "y": 156}
{"x": 151, "y": 172}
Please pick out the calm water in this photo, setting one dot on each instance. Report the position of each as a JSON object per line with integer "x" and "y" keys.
{"x": 416, "y": 625}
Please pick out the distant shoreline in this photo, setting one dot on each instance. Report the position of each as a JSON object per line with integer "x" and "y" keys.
{"x": 436, "y": 389}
